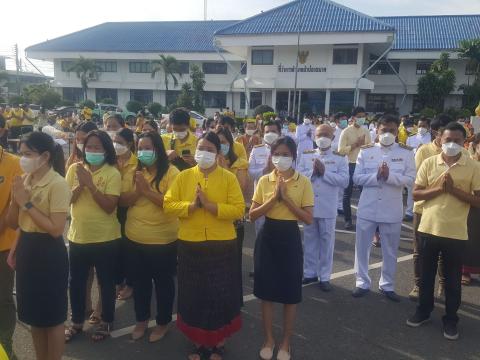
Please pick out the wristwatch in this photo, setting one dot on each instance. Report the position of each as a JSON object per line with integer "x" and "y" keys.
{"x": 27, "y": 206}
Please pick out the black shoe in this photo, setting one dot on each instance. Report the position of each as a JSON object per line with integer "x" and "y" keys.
{"x": 348, "y": 225}
{"x": 408, "y": 218}
{"x": 391, "y": 295}
{"x": 325, "y": 286}
{"x": 340, "y": 212}
{"x": 309, "y": 280}
{"x": 359, "y": 292}
{"x": 418, "y": 320}
{"x": 450, "y": 331}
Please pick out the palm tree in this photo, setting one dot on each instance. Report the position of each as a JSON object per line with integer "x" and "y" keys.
{"x": 170, "y": 67}
{"x": 86, "y": 70}
{"x": 470, "y": 50}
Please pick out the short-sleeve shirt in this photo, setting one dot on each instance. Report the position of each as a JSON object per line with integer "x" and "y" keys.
{"x": 445, "y": 215}
{"x": 90, "y": 223}
{"x": 239, "y": 164}
{"x": 127, "y": 171}
{"x": 299, "y": 189}
{"x": 50, "y": 195}
{"x": 348, "y": 137}
{"x": 146, "y": 222}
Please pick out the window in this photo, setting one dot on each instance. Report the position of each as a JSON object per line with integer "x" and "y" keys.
{"x": 341, "y": 101}
{"x": 214, "y": 68}
{"x": 262, "y": 57}
{"x": 215, "y": 99}
{"x": 243, "y": 70}
{"x": 423, "y": 67}
{"x": 140, "y": 67}
{"x": 101, "y": 94}
{"x": 255, "y": 99}
{"x": 172, "y": 96}
{"x": 471, "y": 68}
{"x": 383, "y": 68}
{"x": 66, "y": 64}
{"x": 73, "y": 94}
{"x": 143, "y": 96}
{"x": 184, "y": 67}
{"x": 345, "y": 56}
{"x": 380, "y": 102}
{"x": 106, "y": 66}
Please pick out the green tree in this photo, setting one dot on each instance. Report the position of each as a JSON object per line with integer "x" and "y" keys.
{"x": 260, "y": 109}
{"x": 198, "y": 84}
{"x": 170, "y": 67}
{"x": 86, "y": 70}
{"x": 16, "y": 99}
{"x": 437, "y": 84}
{"x": 470, "y": 51}
{"x": 156, "y": 109}
{"x": 134, "y": 106}
{"x": 42, "y": 94}
{"x": 108, "y": 101}
{"x": 88, "y": 103}
{"x": 185, "y": 99}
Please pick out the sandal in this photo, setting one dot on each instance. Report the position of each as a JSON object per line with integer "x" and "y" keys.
{"x": 101, "y": 332}
{"x": 93, "y": 319}
{"x": 217, "y": 353}
{"x": 198, "y": 353}
{"x": 466, "y": 280}
{"x": 125, "y": 293}
{"x": 71, "y": 332}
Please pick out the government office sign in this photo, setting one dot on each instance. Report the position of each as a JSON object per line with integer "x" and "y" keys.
{"x": 301, "y": 69}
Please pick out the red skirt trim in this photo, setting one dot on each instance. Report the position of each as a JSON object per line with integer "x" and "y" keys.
{"x": 471, "y": 270}
{"x": 209, "y": 338}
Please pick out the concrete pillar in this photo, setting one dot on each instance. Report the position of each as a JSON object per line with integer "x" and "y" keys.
{"x": 274, "y": 99}
{"x": 327, "y": 102}
{"x": 288, "y": 106}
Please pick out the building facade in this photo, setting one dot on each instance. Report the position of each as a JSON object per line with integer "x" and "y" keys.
{"x": 344, "y": 58}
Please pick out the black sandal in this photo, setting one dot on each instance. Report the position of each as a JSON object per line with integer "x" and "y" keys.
{"x": 219, "y": 351}
{"x": 201, "y": 352}
{"x": 101, "y": 332}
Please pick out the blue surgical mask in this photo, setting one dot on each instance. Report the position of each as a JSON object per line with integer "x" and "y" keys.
{"x": 95, "y": 159}
{"x": 146, "y": 157}
{"x": 343, "y": 124}
{"x": 224, "y": 148}
{"x": 360, "y": 121}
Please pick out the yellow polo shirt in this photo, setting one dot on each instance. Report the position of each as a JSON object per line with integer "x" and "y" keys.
{"x": 349, "y": 136}
{"x": 239, "y": 164}
{"x": 220, "y": 187}
{"x": 28, "y": 117}
{"x": 16, "y": 118}
{"x": 50, "y": 195}
{"x": 189, "y": 144}
{"x": 239, "y": 150}
{"x": 299, "y": 189}
{"x": 445, "y": 215}
{"x": 9, "y": 169}
{"x": 90, "y": 223}
{"x": 127, "y": 171}
{"x": 146, "y": 222}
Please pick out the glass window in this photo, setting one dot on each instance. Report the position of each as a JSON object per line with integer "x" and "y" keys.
{"x": 255, "y": 99}
{"x": 380, "y": 102}
{"x": 470, "y": 68}
{"x": 66, "y": 64}
{"x": 383, "y": 68}
{"x": 106, "y": 66}
{"x": 214, "y": 68}
{"x": 172, "y": 96}
{"x": 345, "y": 56}
{"x": 140, "y": 67}
{"x": 101, "y": 94}
{"x": 143, "y": 96}
{"x": 262, "y": 57}
{"x": 215, "y": 99}
{"x": 341, "y": 101}
{"x": 423, "y": 67}
{"x": 73, "y": 94}
{"x": 184, "y": 67}
{"x": 243, "y": 70}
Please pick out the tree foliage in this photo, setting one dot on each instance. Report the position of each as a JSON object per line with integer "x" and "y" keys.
{"x": 260, "y": 109}
{"x": 185, "y": 99}
{"x": 170, "y": 67}
{"x": 134, "y": 106}
{"x": 198, "y": 84}
{"x": 470, "y": 51}
{"x": 87, "y": 70}
{"x": 156, "y": 109}
{"x": 42, "y": 94}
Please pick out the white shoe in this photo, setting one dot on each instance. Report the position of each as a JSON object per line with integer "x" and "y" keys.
{"x": 284, "y": 355}
{"x": 266, "y": 353}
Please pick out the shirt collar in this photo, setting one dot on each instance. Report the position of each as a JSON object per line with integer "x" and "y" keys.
{"x": 326, "y": 152}
{"x": 273, "y": 176}
{"x": 45, "y": 180}
{"x": 462, "y": 161}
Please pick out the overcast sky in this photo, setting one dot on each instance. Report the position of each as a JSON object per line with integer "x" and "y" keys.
{"x": 32, "y": 21}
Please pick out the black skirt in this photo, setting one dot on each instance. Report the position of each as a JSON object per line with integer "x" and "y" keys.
{"x": 41, "y": 280}
{"x": 209, "y": 294}
{"x": 278, "y": 262}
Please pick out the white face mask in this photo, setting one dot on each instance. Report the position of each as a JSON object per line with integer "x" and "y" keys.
{"x": 282, "y": 163}
{"x": 333, "y": 124}
{"x": 250, "y": 132}
{"x": 422, "y": 131}
{"x": 30, "y": 165}
{"x": 323, "y": 143}
{"x": 80, "y": 147}
{"x": 451, "y": 149}
{"x": 270, "y": 137}
{"x": 205, "y": 159}
{"x": 180, "y": 134}
{"x": 307, "y": 121}
{"x": 386, "y": 139}
{"x": 120, "y": 149}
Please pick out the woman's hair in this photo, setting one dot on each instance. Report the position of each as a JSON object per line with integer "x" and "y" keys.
{"x": 40, "y": 143}
{"x": 128, "y": 136}
{"x": 118, "y": 118}
{"x": 110, "y": 156}
{"x": 213, "y": 138}
{"x": 207, "y": 123}
{"x": 288, "y": 142}
{"x": 86, "y": 127}
{"x": 161, "y": 162}
{"x": 152, "y": 123}
{"x": 231, "y": 156}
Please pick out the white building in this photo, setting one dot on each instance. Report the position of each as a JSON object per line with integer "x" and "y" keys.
{"x": 255, "y": 58}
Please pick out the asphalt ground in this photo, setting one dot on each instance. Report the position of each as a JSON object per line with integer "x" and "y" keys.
{"x": 329, "y": 325}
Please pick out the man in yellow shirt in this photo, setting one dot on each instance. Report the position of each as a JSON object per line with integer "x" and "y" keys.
{"x": 9, "y": 169}
{"x": 351, "y": 139}
{"x": 449, "y": 183}
{"x": 15, "y": 124}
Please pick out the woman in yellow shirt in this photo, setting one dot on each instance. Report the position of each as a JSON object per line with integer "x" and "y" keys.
{"x": 207, "y": 198}
{"x": 81, "y": 133}
{"x": 152, "y": 235}
{"x": 94, "y": 230}
{"x": 39, "y": 209}
{"x": 284, "y": 197}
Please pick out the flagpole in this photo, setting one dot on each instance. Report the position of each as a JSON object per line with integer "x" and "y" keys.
{"x": 299, "y": 17}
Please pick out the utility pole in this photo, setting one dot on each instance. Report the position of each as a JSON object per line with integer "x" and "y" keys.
{"x": 17, "y": 66}
{"x": 299, "y": 17}
{"x": 205, "y": 10}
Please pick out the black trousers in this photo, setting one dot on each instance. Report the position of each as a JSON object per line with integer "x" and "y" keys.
{"x": 347, "y": 195}
{"x": 452, "y": 253}
{"x": 103, "y": 256}
{"x": 157, "y": 263}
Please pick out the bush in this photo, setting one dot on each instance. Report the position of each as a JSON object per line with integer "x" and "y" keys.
{"x": 269, "y": 115}
{"x": 108, "y": 101}
{"x": 66, "y": 103}
{"x": 156, "y": 109}
{"x": 16, "y": 99}
{"x": 134, "y": 106}
{"x": 428, "y": 112}
{"x": 260, "y": 109}
{"x": 455, "y": 112}
{"x": 88, "y": 103}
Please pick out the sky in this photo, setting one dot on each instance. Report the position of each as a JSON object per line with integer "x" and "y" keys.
{"x": 48, "y": 19}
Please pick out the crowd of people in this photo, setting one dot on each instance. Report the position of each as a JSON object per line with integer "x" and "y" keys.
{"x": 149, "y": 202}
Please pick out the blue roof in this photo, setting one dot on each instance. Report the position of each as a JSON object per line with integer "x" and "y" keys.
{"x": 433, "y": 32}
{"x": 167, "y": 36}
{"x": 317, "y": 16}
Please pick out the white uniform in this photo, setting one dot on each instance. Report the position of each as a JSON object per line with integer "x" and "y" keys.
{"x": 415, "y": 141}
{"x": 319, "y": 237}
{"x": 256, "y": 164}
{"x": 381, "y": 204}
{"x": 335, "y": 142}
{"x": 304, "y": 140}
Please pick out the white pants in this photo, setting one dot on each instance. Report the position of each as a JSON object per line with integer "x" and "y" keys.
{"x": 409, "y": 210}
{"x": 340, "y": 198}
{"x": 390, "y": 235}
{"x": 319, "y": 243}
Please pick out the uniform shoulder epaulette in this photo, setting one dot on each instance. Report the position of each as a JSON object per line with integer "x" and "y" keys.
{"x": 337, "y": 153}
{"x": 406, "y": 147}
{"x": 309, "y": 152}
{"x": 412, "y": 134}
{"x": 367, "y": 146}
{"x": 259, "y": 145}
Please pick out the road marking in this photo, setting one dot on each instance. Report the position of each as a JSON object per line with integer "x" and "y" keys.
{"x": 247, "y": 298}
